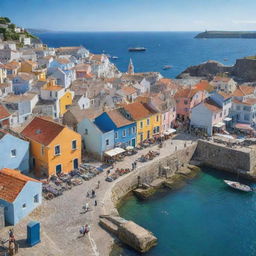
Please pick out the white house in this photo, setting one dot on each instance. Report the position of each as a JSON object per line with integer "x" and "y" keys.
{"x": 207, "y": 115}
{"x": 225, "y": 84}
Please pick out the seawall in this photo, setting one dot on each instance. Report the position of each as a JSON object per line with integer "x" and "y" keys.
{"x": 237, "y": 160}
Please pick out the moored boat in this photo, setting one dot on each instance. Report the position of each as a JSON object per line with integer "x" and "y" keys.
{"x": 238, "y": 186}
{"x": 137, "y": 49}
{"x": 114, "y": 57}
{"x": 166, "y": 67}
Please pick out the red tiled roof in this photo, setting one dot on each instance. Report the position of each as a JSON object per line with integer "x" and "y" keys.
{"x": 211, "y": 105}
{"x": 11, "y": 184}
{"x": 118, "y": 118}
{"x": 127, "y": 90}
{"x": 225, "y": 95}
{"x": 186, "y": 93}
{"x": 138, "y": 110}
{"x": 204, "y": 85}
{"x": 63, "y": 60}
{"x": 249, "y": 101}
{"x": 243, "y": 90}
{"x": 3, "y": 112}
{"x": 42, "y": 130}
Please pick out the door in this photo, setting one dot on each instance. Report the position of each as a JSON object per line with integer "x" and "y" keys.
{"x": 148, "y": 134}
{"x": 75, "y": 163}
{"x": 58, "y": 169}
{"x": 133, "y": 142}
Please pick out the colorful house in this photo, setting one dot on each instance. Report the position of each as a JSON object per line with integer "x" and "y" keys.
{"x": 14, "y": 152}
{"x": 22, "y": 83}
{"x": 206, "y": 116}
{"x": 148, "y": 121}
{"x": 95, "y": 140}
{"x": 186, "y": 99}
{"x": 4, "y": 117}
{"x": 54, "y": 148}
{"x": 19, "y": 194}
{"x": 124, "y": 128}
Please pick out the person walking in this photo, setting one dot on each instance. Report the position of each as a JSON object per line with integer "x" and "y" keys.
{"x": 95, "y": 203}
{"x": 98, "y": 186}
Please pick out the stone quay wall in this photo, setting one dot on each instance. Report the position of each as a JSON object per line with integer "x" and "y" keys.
{"x": 242, "y": 160}
{"x": 151, "y": 171}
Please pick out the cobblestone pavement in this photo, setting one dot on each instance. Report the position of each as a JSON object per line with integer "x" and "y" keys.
{"x": 62, "y": 217}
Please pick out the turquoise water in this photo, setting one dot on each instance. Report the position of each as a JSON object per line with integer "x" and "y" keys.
{"x": 178, "y": 49}
{"x": 204, "y": 218}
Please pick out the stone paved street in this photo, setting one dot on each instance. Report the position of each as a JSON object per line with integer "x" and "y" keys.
{"x": 62, "y": 217}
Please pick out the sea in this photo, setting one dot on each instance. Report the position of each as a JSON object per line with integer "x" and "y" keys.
{"x": 177, "y": 49}
{"x": 205, "y": 217}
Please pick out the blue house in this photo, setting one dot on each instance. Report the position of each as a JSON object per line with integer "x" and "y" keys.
{"x": 22, "y": 83}
{"x": 14, "y": 152}
{"x": 124, "y": 129}
{"x": 95, "y": 141}
{"x": 19, "y": 195}
{"x": 62, "y": 63}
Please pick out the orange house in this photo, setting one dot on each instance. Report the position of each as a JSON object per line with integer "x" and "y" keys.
{"x": 54, "y": 148}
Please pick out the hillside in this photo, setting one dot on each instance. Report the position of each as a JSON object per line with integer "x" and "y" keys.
{"x": 227, "y": 34}
{"x": 10, "y": 31}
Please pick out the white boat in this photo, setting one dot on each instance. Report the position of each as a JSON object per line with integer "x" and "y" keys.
{"x": 114, "y": 57}
{"x": 238, "y": 185}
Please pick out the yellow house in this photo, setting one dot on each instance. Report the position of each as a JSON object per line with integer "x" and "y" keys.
{"x": 61, "y": 97}
{"x": 148, "y": 121}
{"x": 54, "y": 148}
{"x": 29, "y": 66}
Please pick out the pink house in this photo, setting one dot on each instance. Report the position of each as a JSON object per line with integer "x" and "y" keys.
{"x": 186, "y": 99}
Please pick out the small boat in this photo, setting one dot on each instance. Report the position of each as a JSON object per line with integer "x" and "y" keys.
{"x": 225, "y": 59}
{"x": 114, "y": 57}
{"x": 137, "y": 49}
{"x": 166, "y": 67}
{"x": 238, "y": 186}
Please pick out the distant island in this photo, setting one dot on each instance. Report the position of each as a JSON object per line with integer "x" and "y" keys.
{"x": 227, "y": 34}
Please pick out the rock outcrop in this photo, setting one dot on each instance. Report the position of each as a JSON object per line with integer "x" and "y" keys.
{"x": 244, "y": 70}
{"x": 128, "y": 232}
{"x": 136, "y": 236}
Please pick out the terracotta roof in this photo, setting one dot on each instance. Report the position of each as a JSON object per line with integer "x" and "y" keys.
{"x": 118, "y": 119}
{"x": 127, "y": 90}
{"x": 243, "y": 90}
{"x": 11, "y": 184}
{"x": 80, "y": 114}
{"x": 42, "y": 130}
{"x": 82, "y": 67}
{"x": 63, "y": 60}
{"x": 138, "y": 110}
{"x": 97, "y": 57}
{"x": 249, "y": 101}
{"x": 204, "y": 86}
{"x": 25, "y": 76}
{"x": 221, "y": 79}
{"x": 186, "y": 93}
{"x": 3, "y": 112}
{"x": 52, "y": 88}
{"x": 211, "y": 105}
{"x": 68, "y": 48}
{"x": 225, "y": 95}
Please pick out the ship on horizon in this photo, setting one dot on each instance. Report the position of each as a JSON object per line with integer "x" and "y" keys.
{"x": 137, "y": 49}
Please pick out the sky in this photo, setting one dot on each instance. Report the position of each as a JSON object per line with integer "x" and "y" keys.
{"x": 131, "y": 15}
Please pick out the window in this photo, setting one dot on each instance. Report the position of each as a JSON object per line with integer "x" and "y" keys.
{"x": 124, "y": 133}
{"x": 13, "y": 153}
{"x": 24, "y": 206}
{"x": 36, "y": 198}
{"x": 50, "y": 94}
{"x": 58, "y": 169}
{"x": 237, "y": 107}
{"x": 86, "y": 131}
{"x": 141, "y": 124}
{"x": 116, "y": 135}
{"x": 57, "y": 150}
{"x": 148, "y": 121}
{"x": 74, "y": 146}
{"x": 185, "y": 102}
{"x": 130, "y": 131}
{"x": 42, "y": 150}
{"x": 107, "y": 142}
{"x": 246, "y": 117}
{"x": 133, "y": 130}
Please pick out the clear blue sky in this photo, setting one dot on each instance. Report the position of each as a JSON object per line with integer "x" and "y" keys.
{"x": 132, "y": 15}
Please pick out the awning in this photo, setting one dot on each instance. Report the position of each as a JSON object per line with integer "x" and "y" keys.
{"x": 243, "y": 126}
{"x": 114, "y": 152}
{"x": 169, "y": 131}
{"x": 227, "y": 119}
{"x": 219, "y": 125}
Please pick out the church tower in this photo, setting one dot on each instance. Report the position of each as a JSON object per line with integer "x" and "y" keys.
{"x": 131, "y": 68}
